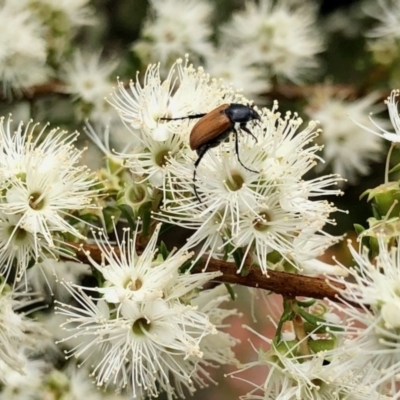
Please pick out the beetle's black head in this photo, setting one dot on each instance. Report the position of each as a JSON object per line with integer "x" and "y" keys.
{"x": 241, "y": 113}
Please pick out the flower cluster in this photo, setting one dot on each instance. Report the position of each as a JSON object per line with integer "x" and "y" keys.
{"x": 279, "y": 37}
{"x": 258, "y": 204}
{"x": 166, "y": 35}
{"x": 256, "y": 201}
{"x": 145, "y": 325}
{"x": 345, "y": 149}
{"x": 34, "y": 33}
{"x": 43, "y": 188}
{"x": 87, "y": 77}
{"x": 18, "y": 334}
{"x": 317, "y": 375}
{"x": 372, "y": 328}
{"x": 263, "y": 41}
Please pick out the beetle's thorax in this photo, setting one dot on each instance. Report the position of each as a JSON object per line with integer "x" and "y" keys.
{"x": 238, "y": 113}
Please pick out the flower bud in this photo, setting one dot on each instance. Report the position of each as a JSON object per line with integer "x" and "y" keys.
{"x": 386, "y": 198}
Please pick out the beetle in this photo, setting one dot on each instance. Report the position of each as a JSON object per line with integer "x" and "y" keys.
{"x": 215, "y": 126}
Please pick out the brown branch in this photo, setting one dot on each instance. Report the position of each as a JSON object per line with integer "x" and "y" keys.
{"x": 286, "y": 284}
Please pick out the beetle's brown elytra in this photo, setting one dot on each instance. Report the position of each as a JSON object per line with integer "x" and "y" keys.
{"x": 214, "y": 127}
{"x": 209, "y": 127}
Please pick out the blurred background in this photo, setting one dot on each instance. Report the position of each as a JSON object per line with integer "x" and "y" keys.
{"x": 335, "y": 62}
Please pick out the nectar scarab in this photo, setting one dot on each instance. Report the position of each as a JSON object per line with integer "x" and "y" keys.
{"x": 215, "y": 126}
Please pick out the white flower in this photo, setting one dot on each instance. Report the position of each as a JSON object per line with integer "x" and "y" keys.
{"x": 17, "y": 332}
{"x": 18, "y": 246}
{"x": 42, "y": 182}
{"x": 144, "y": 327}
{"x": 23, "y": 384}
{"x": 134, "y": 337}
{"x": 150, "y": 159}
{"x": 391, "y": 103}
{"x": 44, "y": 277}
{"x": 65, "y": 13}
{"x": 346, "y": 149}
{"x": 233, "y": 66}
{"x": 372, "y": 330}
{"x": 186, "y": 91}
{"x": 217, "y": 348}
{"x": 129, "y": 276}
{"x": 168, "y": 35}
{"x": 22, "y": 49}
{"x": 75, "y": 383}
{"x": 260, "y": 204}
{"x": 280, "y": 36}
{"x": 292, "y": 376}
{"x": 88, "y": 77}
{"x": 387, "y": 12}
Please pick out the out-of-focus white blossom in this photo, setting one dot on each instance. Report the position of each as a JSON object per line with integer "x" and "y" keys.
{"x": 279, "y": 37}
{"x": 347, "y": 150}
{"x": 87, "y": 77}
{"x": 22, "y": 49}
{"x": 173, "y": 28}
{"x": 44, "y": 277}
{"x": 234, "y": 68}
{"x": 18, "y": 333}
{"x": 387, "y": 12}
{"x": 25, "y": 383}
{"x": 58, "y": 20}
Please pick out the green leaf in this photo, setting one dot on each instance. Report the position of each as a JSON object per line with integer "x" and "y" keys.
{"x": 396, "y": 168}
{"x": 145, "y": 212}
{"x": 375, "y": 212}
{"x": 322, "y": 345}
{"x": 238, "y": 257}
{"x": 358, "y": 228}
{"x": 317, "y": 321}
{"x": 128, "y": 215}
{"x": 165, "y": 227}
{"x": 306, "y": 303}
{"x": 287, "y": 315}
{"x": 187, "y": 266}
{"x": 109, "y": 214}
{"x": 163, "y": 250}
{"x": 230, "y": 291}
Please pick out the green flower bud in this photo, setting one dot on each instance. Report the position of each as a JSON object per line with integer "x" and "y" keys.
{"x": 134, "y": 195}
{"x": 386, "y": 198}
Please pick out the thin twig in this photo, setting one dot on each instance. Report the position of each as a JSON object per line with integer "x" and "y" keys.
{"x": 286, "y": 284}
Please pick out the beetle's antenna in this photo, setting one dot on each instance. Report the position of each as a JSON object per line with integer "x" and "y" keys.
{"x": 237, "y": 148}
{"x": 193, "y": 116}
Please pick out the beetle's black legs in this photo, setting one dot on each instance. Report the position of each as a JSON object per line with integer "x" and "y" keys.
{"x": 200, "y": 152}
{"x": 237, "y": 149}
{"x": 193, "y": 116}
{"x": 247, "y": 130}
